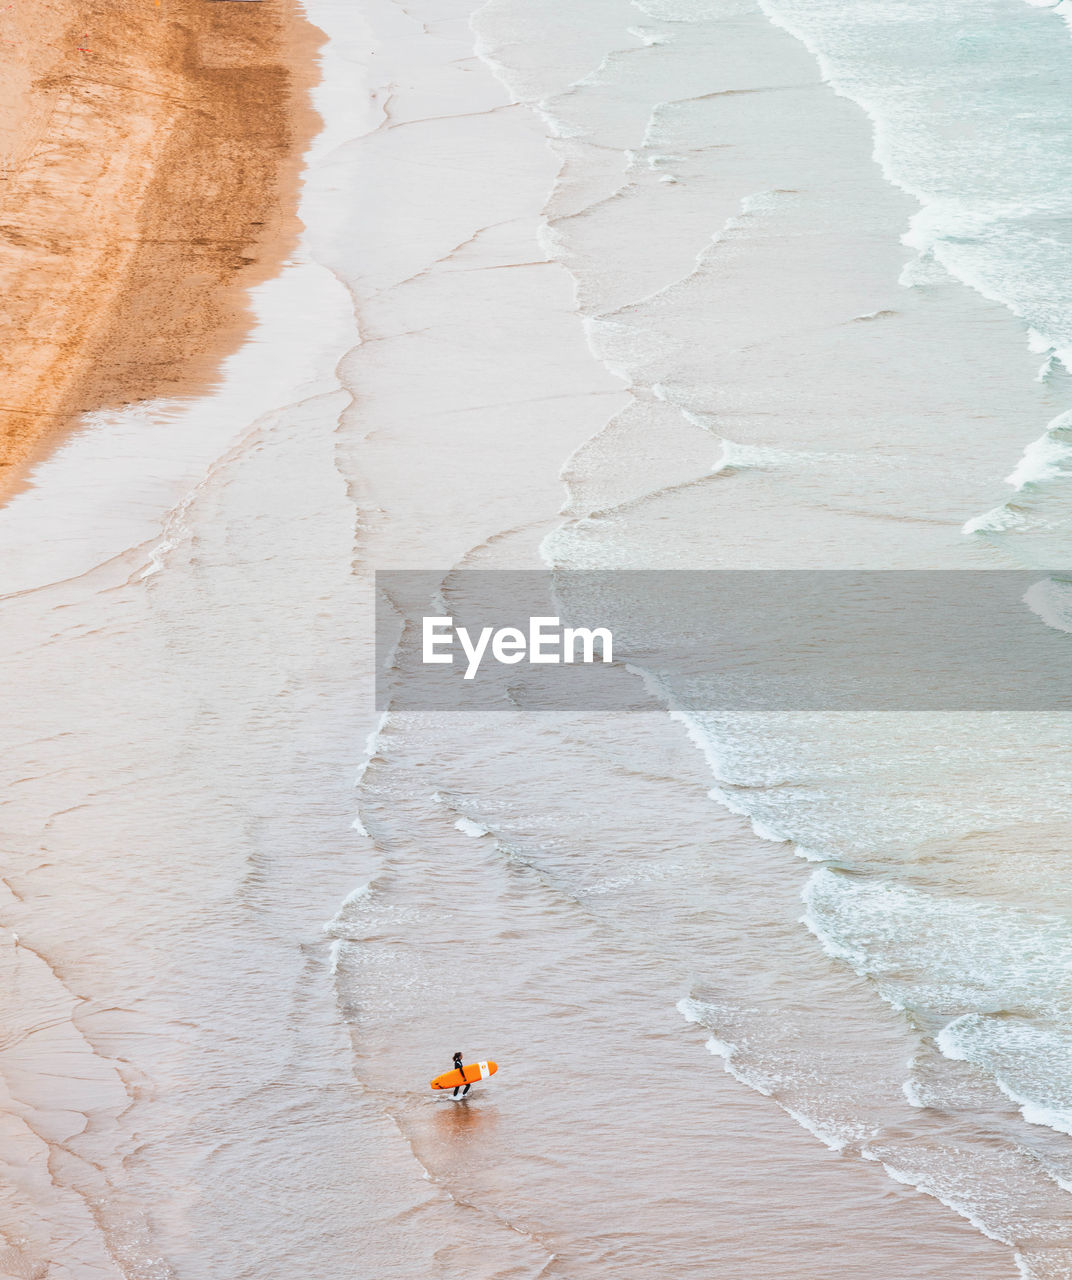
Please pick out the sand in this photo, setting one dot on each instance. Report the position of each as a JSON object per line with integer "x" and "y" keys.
{"x": 149, "y": 160}
{"x": 178, "y": 757}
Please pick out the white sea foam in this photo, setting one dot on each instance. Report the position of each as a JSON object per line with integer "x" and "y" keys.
{"x": 372, "y": 748}
{"x": 945, "y": 956}
{"x": 360, "y": 894}
{"x": 997, "y": 520}
{"x": 646, "y": 36}
{"x": 484, "y": 50}
{"x": 1051, "y": 366}
{"x": 335, "y": 926}
{"x": 769, "y": 1076}
{"x": 942, "y": 954}
{"x": 1030, "y": 1061}
{"x": 958, "y": 1203}
{"x": 659, "y": 690}
{"x": 470, "y": 828}
{"x": 1046, "y": 458}
{"x": 1051, "y": 600}
{"x": 750, "y": 457}
{"x": 697, "y": 1011}
{"x": 649, "y": 875}
{"x": 912, "y": 1094}
{"x": 994, "y": 210}
{"x": 1040, "y": 345}
{"x": 556, "y": 126}
{"x": 691, "y": 1010}
{"x": 766, "y": 832}
{"x": 1061, "y": 7}
{"x": 837, "y": 1137}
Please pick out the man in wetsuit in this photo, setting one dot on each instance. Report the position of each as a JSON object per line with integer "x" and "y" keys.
{"x": 459, "y": 1067}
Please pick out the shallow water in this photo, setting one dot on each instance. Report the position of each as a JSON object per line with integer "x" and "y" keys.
{"x": 645, "y": 250}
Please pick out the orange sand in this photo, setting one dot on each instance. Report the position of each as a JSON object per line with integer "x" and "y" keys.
{"x": 149, "y": 160}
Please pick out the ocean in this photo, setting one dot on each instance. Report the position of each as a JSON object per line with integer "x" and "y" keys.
{"x": 638, "y": 284}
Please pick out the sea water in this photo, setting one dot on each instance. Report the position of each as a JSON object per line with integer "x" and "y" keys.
{"x": 747, "y": 286}
{"x": 769, "y": 268}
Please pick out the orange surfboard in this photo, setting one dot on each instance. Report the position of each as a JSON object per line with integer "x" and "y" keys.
{"x": 474, "y": 1071}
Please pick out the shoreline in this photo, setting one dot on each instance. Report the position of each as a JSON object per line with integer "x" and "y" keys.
{"x": 154, "y": 948}
{"x": 234, "y": 1036}
{"x": 532, "y": 897}
{"x": 129, "y": 245}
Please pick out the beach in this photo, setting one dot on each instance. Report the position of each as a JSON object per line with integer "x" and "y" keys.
{"x": 146, "y": 189}
{"x": 619, "y": 289}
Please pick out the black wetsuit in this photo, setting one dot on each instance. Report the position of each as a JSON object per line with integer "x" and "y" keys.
{"x": 459, "y": 1067}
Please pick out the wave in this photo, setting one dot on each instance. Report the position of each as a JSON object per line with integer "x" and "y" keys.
{"x": 1046, "y": 459}
{"x": 982, "y": 149}
{"x": 942, "y": 956}
{"x": 1028, "y": 1062}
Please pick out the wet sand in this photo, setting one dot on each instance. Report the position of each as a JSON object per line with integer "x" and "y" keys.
{"x": 149, "y": 161}
{"x": 229, "y": 1088}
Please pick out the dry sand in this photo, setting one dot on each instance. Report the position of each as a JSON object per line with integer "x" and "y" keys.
{"x": 150, "y": 152}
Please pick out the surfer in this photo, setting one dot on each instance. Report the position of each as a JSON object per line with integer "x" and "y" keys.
{"x": 459, "y": 1067}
